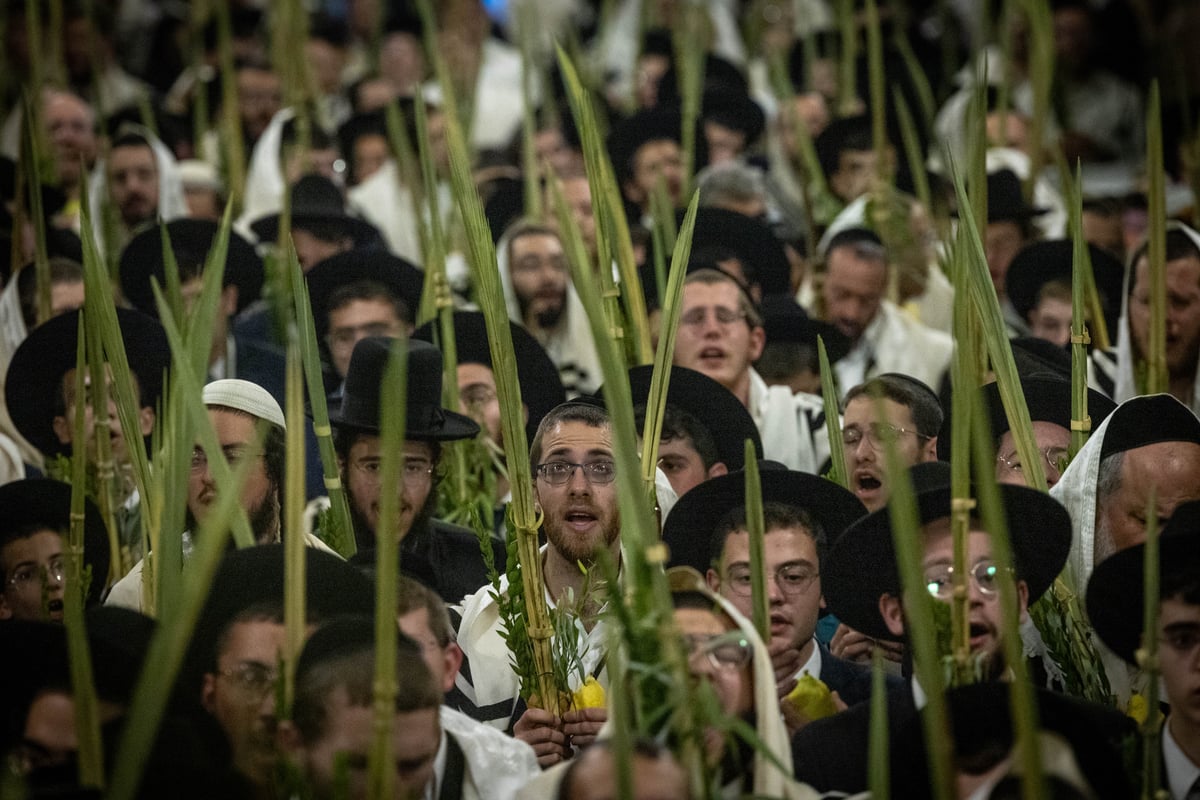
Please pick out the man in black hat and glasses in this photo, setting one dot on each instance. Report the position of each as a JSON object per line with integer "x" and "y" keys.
{"x": 445, "y": 556}
{"x": 861, "y": 583}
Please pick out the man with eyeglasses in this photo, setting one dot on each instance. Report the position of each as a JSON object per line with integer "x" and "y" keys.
{"x": 574, "y": 474}
{"x": 721, "y": 335}
{"x": 888, "y": 407}
{"x": 444, "y": 556}
{"x": 862, "y": 585}
{"x": 34, "y": 523}
{"x": 235, "y": 409}
{"x": 707, "y": 530}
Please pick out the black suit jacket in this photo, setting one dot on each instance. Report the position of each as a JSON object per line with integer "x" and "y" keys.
{"x": 831, "y": 754}
{"x": 851, "y": 680}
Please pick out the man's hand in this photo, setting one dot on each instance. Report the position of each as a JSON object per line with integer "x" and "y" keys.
{"x": 543, "y": 731}
{"x": 851, "y": 645}
{"x": 785, "y": 659}
{"x": 794, "y": 719}
{"x": 581, "y": 727}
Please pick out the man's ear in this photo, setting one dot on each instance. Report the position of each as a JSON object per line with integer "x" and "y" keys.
{"x": 1022, "y": 599}
{"x": 288, "y": 740}
{"x": 452, "y": 656}
{"x": 62, "y": 429}
{"x": 6, "y": 611}
{"x": 929, "y": 451}
{"x": 893, "y": 614}
{"x": 229, "y": 300}
{"x": 717, "y": 469}
{"x": 633, "y": 192}
{"x": 713, "y": 580}
{"x": 146, "y": 420}
{"x": 758, "y": 340}
{"x": 208, "y": 693}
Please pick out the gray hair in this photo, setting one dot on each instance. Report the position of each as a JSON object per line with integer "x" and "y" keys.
{"x": 732, "y": 181}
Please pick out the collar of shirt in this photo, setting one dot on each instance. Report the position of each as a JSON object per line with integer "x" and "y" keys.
{"x": 1182, "y": 773}
{"x": 813, "y": 665}
{"x": 439, "y": 771}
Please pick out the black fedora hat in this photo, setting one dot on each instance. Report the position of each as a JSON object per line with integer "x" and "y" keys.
{"x": 401, "y": 277}
{"x": 191, "y": 240}
{"x": 43, "y": 502}
{"x": 1115, "y": 592}
{"x": 755, "y": 245}
{"x": 688, "y": 529}
{"x": 35, "y": 373}
{"x": 541, "y": 386}
{"x": 1006, "y": 201}
{"x": 714, "y": 406}
{"x": 315, "y": 198}
{"x": 1037, "y": 264}
{"x": 426, "y": 419}
{"x": 1049, "y": 400}
{"x": 861, "y": 565}
{"x": 785, "y": 321}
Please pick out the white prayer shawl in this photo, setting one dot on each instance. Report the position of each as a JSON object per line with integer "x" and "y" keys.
{"x": 570, "y": 346}
{"x": 895, "y": 342}
{"x": 385, "y": 203}
{"x": 1076, "y": 490}
{"x": 497, "y": 765}
{"x": 792, "y": 426}
{"x": 172, "y": 203}
{"x": 492, "y": 683}
{"x": 1124, "y": 383}
{"x": 265, "y": 182}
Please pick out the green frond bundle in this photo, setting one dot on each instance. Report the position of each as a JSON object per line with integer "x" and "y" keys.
{"x": 829, "y": 398}
{"x": 760, "y": 604}
{"x": 1147, "y": 654}
{"x": 1157, "y": 374}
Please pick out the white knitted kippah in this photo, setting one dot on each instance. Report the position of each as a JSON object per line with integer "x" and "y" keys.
{"x": 244, "y": 396}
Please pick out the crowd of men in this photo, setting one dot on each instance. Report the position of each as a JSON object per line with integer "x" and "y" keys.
{"x": 815, "y": 230}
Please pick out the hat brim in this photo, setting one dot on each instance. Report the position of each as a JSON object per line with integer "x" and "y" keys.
{"x": 1037, "y": 264}
{"x": 861, "y": 566}
{"x": 454, "y": 426}
{"x": 343, "y": 269}
{"x": 689, "y": 527}
{"x": 37, "y": 368}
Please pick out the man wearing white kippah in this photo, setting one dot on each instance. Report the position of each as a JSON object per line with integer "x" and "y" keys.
{"x": 235, "y": 407}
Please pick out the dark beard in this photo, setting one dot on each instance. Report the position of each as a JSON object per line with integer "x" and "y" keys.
{"x": 545, "y": 319}
{"x": 364, "y": 534}
{"x": 263, "y": 520}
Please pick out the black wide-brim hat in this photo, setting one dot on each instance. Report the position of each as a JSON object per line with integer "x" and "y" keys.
{"x": 43, "y": 502}
{"x": 785, "y": 321}
{"x": 1037, "y": 264}
{"x": 1049, "y": 400}
{"x": 714, "y": 406}
{"x": 756, "y": 246}
{"x": 315, "y": 198}
{"x": 1115, "y": 592}
{"x": 426, "y": 419}
{"x": 541, "y": 385}
{"x": 370, "y": 264}
{"x": 861, "y": 566}
{"x": 688, "y": 529}
{"x": 1006, "y": 200}
{"x": 35, "y": 373}
{"x": 255, "y": 575}
{"x": 191, "y": 240}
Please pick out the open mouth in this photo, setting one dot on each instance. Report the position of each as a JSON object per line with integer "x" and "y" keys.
{"x": 580, "y": 520}
{"x": 55, "y": 607}
{"x": 979, "y": 634}
{"x": 867, "y": 482}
